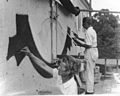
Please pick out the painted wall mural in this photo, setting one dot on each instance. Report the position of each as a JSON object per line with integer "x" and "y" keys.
{"x": 24, "y": 38}
{"x": 20, "y": 40}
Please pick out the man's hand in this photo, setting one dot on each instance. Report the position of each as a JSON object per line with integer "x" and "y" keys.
{"x": 56, "y": 62}
{"x": 75, "y": 35}
{"x": 79, "y": 43}
{"x": 74, "y": 38}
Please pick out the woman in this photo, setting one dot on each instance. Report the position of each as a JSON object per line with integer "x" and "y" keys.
{"x": 67, "y": 68}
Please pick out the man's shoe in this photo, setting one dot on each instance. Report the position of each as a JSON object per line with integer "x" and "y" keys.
{"x": 89, "y": 92}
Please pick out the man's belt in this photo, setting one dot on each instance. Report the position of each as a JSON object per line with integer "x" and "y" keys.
{"x": 91, "y": 47}
{"x": 94, "y": 47}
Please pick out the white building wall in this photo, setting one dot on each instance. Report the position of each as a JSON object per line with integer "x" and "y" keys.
{"x": 24, "y": 79}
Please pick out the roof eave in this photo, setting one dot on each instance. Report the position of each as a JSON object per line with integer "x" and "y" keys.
{"x": 86, "y": 4}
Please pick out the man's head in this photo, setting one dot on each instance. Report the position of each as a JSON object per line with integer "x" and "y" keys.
{"x": 87, "y": 22}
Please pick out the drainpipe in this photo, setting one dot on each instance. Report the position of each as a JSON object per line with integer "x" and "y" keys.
{"x": 90, "y": 7}
{"x": 51, "y": 26}
{"x": 56, "y": 26}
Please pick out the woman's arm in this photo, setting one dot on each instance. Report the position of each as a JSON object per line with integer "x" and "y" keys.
{"x": 37, "y": 61}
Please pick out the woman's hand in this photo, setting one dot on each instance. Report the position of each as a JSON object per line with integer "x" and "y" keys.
{"x": 26, "y": 50}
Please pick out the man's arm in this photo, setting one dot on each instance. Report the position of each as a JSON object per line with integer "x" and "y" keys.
{"x": 79, "y": 37}
{"x": 81, "y": 43}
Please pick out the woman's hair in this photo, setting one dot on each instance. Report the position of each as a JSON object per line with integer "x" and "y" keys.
{"x": 72, "y": 64}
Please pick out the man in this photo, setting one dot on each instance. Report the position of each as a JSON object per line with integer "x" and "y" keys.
{"x": 64, "y": 74}
{"x": 91, "y": 52}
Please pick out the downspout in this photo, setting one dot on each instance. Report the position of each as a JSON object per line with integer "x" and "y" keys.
{"x": 56, "y": 18}
{"x": 51, "y": 26}
{"x": 90, "y": 7}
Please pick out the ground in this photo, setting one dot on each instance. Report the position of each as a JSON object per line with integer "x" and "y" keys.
{"x": 109, "y": 83}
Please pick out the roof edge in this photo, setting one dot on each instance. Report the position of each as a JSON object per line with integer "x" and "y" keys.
{"x": 86, "y": 3}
